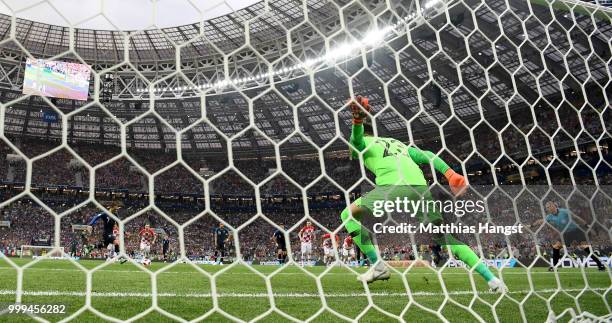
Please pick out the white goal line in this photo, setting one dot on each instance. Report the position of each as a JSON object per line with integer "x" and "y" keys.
{"x": 193, "y": 272}
{"x": 285, "y": 295}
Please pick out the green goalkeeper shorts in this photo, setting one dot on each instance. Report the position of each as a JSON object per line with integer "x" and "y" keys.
{"x": 373, "y": 201}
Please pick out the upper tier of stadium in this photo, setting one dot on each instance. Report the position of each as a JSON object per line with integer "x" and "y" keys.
{"x": 476, "y": 62}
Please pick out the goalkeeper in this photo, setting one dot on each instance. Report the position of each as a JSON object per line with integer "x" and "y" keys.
{"x": 398, "y": 175}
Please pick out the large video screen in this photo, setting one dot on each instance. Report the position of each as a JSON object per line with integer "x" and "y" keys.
{"x": 56, "y": 79}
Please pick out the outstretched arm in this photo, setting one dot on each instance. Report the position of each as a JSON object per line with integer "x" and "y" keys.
{"x": 455, "y": 181}
{"x": 95, "y": 218}
{"x": 358, "y": 107}
{"x": 357, "y": 137}
{"x": 539, "y": 222}
{"x": 579, "y": 221}
{"x": 426, "y": 157}
{"x": 93, "y": 221}
{"x": 273, "y": 239}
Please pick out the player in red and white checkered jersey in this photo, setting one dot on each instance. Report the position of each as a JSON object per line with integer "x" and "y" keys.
{"x": 307, "y": 236}
{"x": 329, "y": 253}
{"x": 147, "y": 238}
{"x": 348, "y": 250}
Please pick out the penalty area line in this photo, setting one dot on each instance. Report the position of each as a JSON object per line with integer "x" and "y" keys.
{"x": 279, "y": 295}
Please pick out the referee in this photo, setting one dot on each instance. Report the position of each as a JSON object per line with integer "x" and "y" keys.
{"x": 562, "y": 221}
{"x": 221, "y": 235}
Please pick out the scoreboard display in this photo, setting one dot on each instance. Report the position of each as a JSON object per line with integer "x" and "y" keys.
{"x": 56, "y": 79}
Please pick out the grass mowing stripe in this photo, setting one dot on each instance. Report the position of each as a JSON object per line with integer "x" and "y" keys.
{"x": 281, "y": 295}
{"x": 301, "y": 273}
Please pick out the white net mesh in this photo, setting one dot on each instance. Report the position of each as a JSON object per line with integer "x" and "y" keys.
{"x": 242, "y": 120}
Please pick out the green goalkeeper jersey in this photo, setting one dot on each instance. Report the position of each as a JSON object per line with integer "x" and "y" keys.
{"x": 391, "y": 161}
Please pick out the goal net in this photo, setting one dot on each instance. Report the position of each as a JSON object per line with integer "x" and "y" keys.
{"x": 216, "y": 162}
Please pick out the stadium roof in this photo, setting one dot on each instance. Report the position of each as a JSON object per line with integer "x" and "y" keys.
{"x": 477, "y": 67}
{"x": 120, "y": 14}
{"x": 152, "y": 44}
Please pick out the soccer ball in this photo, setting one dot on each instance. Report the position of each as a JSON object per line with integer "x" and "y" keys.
{"x": 146, "y": 262}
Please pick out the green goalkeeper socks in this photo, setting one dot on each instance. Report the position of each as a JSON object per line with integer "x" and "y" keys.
{"x": 362, "y": 239}
{"x": 360, "y": 235}
{"x": 372, "y": 255}
{"x": 465, "y": 254}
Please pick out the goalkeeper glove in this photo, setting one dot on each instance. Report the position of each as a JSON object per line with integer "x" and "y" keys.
{"x": 456, "y": 182}
{"x": 359, "y": 106}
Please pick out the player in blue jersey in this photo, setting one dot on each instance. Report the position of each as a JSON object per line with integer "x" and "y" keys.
{"x": 221, "y": 235}
{"x": 110, "y": 230}
{"x": 561, "y": 219}
{"x": 281, "y": 246}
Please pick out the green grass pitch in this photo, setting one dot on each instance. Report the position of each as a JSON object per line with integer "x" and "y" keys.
{"x": 123, "y": 291}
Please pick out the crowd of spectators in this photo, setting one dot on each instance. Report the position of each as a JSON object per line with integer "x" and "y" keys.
{"x": 31, "y": 224}
{"x": 525, "y": 147}
{"x": 490, "y": 153}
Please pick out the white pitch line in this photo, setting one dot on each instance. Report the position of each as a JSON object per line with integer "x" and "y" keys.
{"x": 301, "y": 273}
{"x": 280, "y": 295}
